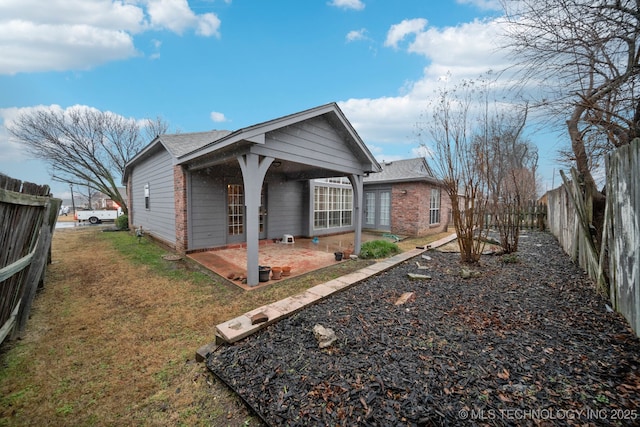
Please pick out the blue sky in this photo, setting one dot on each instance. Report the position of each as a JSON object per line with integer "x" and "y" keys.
{"x": 227, "y": 64}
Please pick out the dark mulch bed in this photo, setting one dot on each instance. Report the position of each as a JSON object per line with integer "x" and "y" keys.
{"x": 526, "y": 343}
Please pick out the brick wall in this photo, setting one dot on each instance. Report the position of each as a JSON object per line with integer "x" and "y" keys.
{"x": 410, "y": 209}
{"x": 180, "y": 196}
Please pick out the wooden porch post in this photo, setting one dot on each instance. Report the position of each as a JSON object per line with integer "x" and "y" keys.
{"x": 358, "y": 190}
{"x": 254, "y": 169}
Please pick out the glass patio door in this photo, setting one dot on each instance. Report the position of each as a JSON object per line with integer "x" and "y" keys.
{"x": 262, "y": 215}
{"x": 377, "y": 210}
{"x": 236, "y": 214}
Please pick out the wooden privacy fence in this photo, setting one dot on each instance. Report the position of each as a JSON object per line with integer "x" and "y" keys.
{"x": 622, "y": 231}
{"x": 27, "y": 219}
{"x": 532, "y": 215}
{"x": 619, "y": 253}
{"x": 570, "y": 221}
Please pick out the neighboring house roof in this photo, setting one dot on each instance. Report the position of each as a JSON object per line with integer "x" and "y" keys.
{"x": 402, "y": 171}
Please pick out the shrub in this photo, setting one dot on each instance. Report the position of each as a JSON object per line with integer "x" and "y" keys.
{"x": 510, "y": 259}
{"x": 378, "y": 249}
{"x": 122, "y": 222}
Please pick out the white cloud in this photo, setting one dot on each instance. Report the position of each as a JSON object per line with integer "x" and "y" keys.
{"x": 398, "y": 32}
{"x": 381, "y": 120}
{"x": 208, "y": 25}
{"x": 27, "y": 46}
{"x": 10, "y": 149}
{"x": 483, "y": 4}
{"x": 348, "y": 4}
{"x": 177, "y": 17}
{"x": 107, "y": 14}
{"x": 156, "y": 44}
{"x": 388, "y": 124}
{"x": 356, "y": 35}
{"x": 466, "y": 44}
{"x": 218, "y": 117}
{"x": 59, "y": 35}
{"x": 462, "y": 52}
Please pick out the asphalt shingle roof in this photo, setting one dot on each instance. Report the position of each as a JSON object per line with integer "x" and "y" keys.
{"x": 179, "y": 144}
{"x": 402, "y": 170}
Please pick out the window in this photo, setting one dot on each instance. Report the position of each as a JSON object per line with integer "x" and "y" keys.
{"x": 370, "y": 208}
{"x": 332, "y": 206}
{"x": 338, "y": 180}
{"x": 385, "y": 209}
{"x": 434, "y": 209}
{"x": 146, "y": 197}
{"x": 235, "y": 209}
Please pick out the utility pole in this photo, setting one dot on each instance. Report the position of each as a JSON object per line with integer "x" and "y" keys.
{"x": 73, "y": 203}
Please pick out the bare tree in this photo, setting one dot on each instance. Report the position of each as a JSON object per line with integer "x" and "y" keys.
{"x": 583, "y": 58}
{"x": 454, "y": 160}
{"x": 510, "y": 168}
{"x": 85, "y": 146}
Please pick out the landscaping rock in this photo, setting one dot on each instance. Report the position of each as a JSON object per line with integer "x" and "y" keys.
{"x": 418, "y": 276}
{"x": 325, "y": 336}
{"x": 532, "y": 336}
{"x": 405, "y": 298}
{"x": 259, "y": 318}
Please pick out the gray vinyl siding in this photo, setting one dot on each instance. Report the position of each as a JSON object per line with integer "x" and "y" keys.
{"x": 207, "y": 211}
{"x": 313, "y": 142}
{"x": 286, "y": 209}
{"x": 160, "y": 219}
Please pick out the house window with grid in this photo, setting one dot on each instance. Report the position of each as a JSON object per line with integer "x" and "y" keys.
{"x": 332, "y": 207}
{"x": 235, "y": 209}
{"x": 147, "y": 197}
{"x": 434, "y": 209}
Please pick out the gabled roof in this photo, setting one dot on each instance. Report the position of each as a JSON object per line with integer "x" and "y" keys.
{"x": 256, "y": 133}
{"x": 187, "y": 147}
{"x": 402, "y": 171}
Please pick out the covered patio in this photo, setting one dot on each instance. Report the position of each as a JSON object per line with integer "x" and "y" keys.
{"x": 273, "y": 161}
{"x": 220, "y": 189}
{"x": 303, "y": 256}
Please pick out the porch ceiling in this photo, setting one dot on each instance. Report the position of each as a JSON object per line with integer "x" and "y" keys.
{"x": 286, "y": 170}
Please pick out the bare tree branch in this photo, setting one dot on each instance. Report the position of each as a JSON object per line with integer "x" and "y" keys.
{"x": 583, "y": 56}
{"x": 84, "y": 146}
{"x": 455, "y": 160}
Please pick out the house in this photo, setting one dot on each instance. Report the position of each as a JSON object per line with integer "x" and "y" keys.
{"x": 197, "y": 191}
{"x": 405, "y": 199}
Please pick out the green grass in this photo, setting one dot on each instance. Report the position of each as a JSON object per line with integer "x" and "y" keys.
{"x": 150, "y": 254}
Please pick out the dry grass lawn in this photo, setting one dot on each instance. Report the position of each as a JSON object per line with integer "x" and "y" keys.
{"x": 112, "y": 337}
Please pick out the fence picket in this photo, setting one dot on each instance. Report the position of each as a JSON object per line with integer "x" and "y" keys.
{"x": 620, "y": 247}
{"x": 532, "y": 216}
{"x": 26, "y": 228}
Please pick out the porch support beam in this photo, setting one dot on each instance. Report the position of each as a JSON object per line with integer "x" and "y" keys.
{"x": 254, "y": 168}
{"x": 357, "y": 183}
